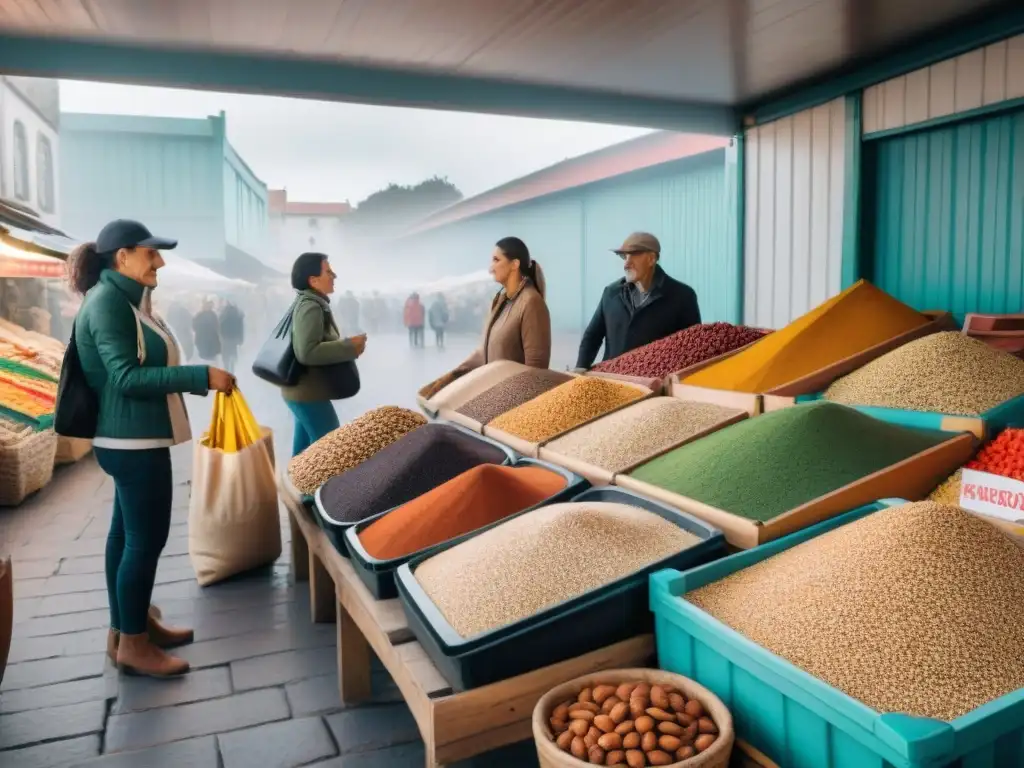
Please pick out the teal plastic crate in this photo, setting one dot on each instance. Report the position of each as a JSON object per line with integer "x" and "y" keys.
{"x": 798, "y": 720}
{"x": 1008, "y": 414}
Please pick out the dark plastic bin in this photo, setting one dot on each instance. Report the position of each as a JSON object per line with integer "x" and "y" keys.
{"x": 610, "y": 614}
{"x": 335, "y": 530}
{"x": 379, "y": 575}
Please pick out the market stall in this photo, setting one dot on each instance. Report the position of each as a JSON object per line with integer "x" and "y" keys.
{"x": 505, "y": 581}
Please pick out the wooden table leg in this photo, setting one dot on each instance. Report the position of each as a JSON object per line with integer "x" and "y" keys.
{"x": 353, "y": 659}
{"x": 322, "y": 597}
{"x": 300, "y": 550}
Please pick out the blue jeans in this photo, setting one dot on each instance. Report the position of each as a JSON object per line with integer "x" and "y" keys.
{"x": 312, "y": 421}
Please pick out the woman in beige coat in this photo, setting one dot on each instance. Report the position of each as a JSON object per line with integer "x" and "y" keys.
{"x": 518, "y": 327}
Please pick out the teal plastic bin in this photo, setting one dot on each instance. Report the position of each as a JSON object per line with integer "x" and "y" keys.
{"x": 1008, "y": 414}
{"x": 798, "y": 720}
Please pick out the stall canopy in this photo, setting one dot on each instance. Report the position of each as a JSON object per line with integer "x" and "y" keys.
{"x": 17, "y": 262}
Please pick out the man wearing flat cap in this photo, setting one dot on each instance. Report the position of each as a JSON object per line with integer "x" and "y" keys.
{"x": 644, "y": 306}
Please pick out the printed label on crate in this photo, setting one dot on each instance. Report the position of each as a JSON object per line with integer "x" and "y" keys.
{"x": 992, "y": 495}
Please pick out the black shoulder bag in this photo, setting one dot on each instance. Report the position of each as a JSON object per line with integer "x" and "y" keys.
{"x": 276, "y": 362}
{"x": 78, "y": 406}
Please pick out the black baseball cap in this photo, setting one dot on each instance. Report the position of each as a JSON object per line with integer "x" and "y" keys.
{"x": 125, "y": 233}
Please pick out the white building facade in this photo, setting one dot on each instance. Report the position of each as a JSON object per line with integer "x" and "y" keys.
{"x": 296, "y": 227}
{"x": 29, "y": 145}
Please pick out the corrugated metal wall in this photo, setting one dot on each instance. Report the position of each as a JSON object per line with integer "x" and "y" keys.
{"x": 949, "y": 216}
{"x": 245, "y": 207}
{"x": 171, "y": 183}
{"x": 572, "y": 234}
{"x": 976, "y": 79}
{"x": 794, "y": 193}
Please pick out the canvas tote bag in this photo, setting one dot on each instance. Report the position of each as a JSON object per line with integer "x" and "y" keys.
{"x": 233, "y": 519}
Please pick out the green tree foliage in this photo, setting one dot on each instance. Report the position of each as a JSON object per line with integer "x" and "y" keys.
{"x": 397, "y": 207}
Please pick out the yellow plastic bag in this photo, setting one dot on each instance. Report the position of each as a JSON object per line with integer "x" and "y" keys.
{"x": 232, "y": 425}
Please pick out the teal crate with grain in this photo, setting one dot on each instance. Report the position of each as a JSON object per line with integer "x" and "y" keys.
{"x": 798, "y": 720}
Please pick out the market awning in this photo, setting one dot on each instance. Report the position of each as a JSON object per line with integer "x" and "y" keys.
{"x": 17, "y": 262}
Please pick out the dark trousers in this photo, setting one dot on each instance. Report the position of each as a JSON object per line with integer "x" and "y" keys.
{"x": 416, "y": 336}
{"x": 439, "y": 337}
{"x": 143, "y": 489}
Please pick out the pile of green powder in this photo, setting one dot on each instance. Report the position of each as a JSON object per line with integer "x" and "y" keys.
{"x": 762, "y": 467}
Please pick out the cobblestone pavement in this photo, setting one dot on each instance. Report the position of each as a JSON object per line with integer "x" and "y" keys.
{"x": 263, "y": 692}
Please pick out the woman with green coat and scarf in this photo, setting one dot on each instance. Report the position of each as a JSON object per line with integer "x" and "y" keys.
{"x": 317, "y": 343}
{"x": 131, "y": 362}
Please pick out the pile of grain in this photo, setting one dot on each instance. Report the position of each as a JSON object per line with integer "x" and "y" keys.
{"x": 542, "y": 558}
{"x": 418, "y": 462}
{"x": 847, "y": 324}
{"x": 511, "y": 393}
{"x": 914, "y": 609}
{"x": 350, "y": 445}
{"x": 624, "y": 439}
{"x": 762, "y": 467}
{"x": 681, "y": 350}
{"x": 945, "y": 372}
{"x": 948, "y": 491}
{"x": 564, "y": 407}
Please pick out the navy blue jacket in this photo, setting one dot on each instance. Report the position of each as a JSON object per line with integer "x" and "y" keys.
{"x": 671, "y": 307}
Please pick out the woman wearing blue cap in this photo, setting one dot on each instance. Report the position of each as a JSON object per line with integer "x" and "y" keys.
{"x": 129, "y": 359}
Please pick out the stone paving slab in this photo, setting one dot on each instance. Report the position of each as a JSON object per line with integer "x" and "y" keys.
{"x": 264, "y": 691}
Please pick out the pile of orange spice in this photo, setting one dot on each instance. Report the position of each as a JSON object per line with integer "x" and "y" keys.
{"x": 478, "y": 497}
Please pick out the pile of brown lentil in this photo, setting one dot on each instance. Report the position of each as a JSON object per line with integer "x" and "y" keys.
{"x": 542, "y": 558}
{"x": 945, "y": 372}
{"x": 350, "y": 444}
{"x": 948, "y": 492}
{"x": 628, "y": 437}
{"x": 564, "y": 407}
{"x": 914, "y": 609}
{"x": 681, "y": 350}
{"x": 511, "y": 393}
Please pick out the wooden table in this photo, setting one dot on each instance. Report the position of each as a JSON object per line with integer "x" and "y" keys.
{"x": 454, "y": 726}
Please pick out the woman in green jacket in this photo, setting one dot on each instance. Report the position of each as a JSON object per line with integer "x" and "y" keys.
{"x": 316, "y": 342}
{"x": 131, "y": 362}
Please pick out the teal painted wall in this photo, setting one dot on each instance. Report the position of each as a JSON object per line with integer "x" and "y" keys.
{"x": 947, "y": 218}
{"x": 245, "y": 205}
{"x": 685, "y": 203}
{"x": 171, "y": 182}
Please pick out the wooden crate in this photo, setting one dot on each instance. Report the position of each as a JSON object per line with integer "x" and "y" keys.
{"x": 454, "y": 726}
{"x": 601, "y": 476}
{"x": 913, "y": 479}
{"x": 526, "y": 448}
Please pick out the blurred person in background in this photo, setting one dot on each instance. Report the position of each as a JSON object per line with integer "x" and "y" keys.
{"x": 643, "y": 306}
{"x": 348, "y": 312}
{"x": 317, "y": 342}
{"x": 438, "y": 318}
{"x": 232, "y": 333}
{"x": 206, "y": 327}
{"x": 180, "y": 320}
{"x": 133, "y": 365}
{"x": 413, "y": 319}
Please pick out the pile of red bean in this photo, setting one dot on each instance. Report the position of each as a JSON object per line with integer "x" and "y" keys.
{"x": 681, "y": 350}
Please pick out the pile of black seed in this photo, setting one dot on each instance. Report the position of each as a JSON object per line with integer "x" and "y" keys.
{"x": 511, "y": 393}
{"x": 409, "y": 467}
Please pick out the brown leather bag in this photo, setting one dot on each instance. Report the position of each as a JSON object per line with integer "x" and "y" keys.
{"x": 6, "y": 612}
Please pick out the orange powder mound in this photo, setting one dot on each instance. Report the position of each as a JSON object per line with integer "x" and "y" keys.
{"x": 476, "y": 498}
{"x": 847, "y": 324}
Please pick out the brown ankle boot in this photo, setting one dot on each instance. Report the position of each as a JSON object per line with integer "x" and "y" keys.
{"x": 113, "y": 636}
{"x": 163, "y": 636}
{"x": 136, "y": 655}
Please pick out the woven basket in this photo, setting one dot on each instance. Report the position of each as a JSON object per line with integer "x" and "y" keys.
{"x": 26, "y": 465}
{"x": 71, "y": 449}
{"x": 550, "y": 756}
{"x": 6, "y": 612}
